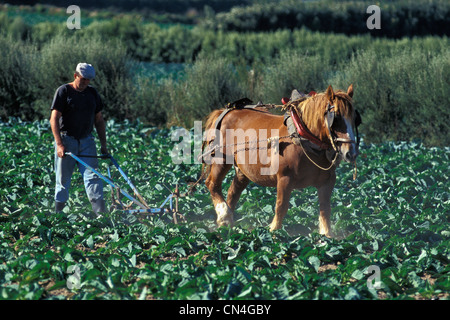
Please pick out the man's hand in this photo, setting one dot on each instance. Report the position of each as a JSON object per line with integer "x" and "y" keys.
{"x": 60, "y": 151}
{"x": 104, "y": 150}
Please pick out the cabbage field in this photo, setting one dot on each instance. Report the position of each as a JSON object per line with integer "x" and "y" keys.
{"x": 392, "y": 227}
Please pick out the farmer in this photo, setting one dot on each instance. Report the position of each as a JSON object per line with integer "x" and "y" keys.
{"x": 76, "y": 109}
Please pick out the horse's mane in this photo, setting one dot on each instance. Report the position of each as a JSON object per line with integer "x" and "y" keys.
{"x": 312, "y": 111}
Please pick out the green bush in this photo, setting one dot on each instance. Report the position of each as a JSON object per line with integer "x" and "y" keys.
{"x": 17, "y": 69}
{"x": 291, "y": 70}
{"x": 176, "y": 44}
{"x": 14, "y": 27}
{"x": 209, "y": 84}
{"x": 44, "y": 32}
{"x": 151, "y": 102}
{"x": 183, "y": 44}
{"x": 126, "y": 30}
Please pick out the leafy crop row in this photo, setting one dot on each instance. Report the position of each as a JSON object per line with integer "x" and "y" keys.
{"x": 393, "y": 216}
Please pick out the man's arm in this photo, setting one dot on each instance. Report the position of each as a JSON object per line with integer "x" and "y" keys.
{"x": 100, "y": 126}
{"x": 54, "y": 123}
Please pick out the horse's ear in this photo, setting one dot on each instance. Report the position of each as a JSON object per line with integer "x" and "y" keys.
{"x": 329, "y": 93}
{"x": 350, "y": 91}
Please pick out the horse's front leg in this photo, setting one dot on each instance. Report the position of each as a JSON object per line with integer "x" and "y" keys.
{"x": 284, "y": 191}
{"x": 324, "y": 193}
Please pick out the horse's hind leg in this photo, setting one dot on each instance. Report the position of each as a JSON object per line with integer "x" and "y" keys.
{"x": 214, "y": 185}
{"x": 240, "y": 182}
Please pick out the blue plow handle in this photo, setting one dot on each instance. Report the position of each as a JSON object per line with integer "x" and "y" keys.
{"x": 106, "y": 179}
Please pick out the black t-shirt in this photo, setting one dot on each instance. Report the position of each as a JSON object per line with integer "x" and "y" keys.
{"x": 78, "y": 110}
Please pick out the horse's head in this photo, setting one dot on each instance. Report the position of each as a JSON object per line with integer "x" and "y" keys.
{"x": 341, "y": 121}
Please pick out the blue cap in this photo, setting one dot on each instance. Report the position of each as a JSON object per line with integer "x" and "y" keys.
{"x": 86, "y": 70}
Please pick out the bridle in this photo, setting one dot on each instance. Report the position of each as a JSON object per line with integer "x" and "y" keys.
{"x": 329, "y": 117}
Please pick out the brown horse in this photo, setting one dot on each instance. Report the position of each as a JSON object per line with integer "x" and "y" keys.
{"x": 267, "y": 153}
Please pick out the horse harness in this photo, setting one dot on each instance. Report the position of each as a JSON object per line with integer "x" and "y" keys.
{"x": 297, "y": 129}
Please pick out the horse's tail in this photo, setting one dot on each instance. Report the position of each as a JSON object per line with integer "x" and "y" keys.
{"x": 206, "y": 168}
{"x": 209, "y": 124}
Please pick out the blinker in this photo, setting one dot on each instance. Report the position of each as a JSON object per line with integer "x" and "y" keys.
{"x": 329, "y": 115}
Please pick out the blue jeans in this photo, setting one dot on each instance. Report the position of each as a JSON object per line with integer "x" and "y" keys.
{"x": 64, "y": 169}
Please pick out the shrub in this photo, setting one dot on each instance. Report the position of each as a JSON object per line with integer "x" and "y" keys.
{"x": 31, "y": 77}
{"x": 175, "y": 44}
{"x": 17, "y": 69}
{"x": 14, "y": 27}
{"x": 291, "y": 70}
{"x": 209, "y": 84}
{"x": 151, "y": 102}
{"x": 43, "y": 32}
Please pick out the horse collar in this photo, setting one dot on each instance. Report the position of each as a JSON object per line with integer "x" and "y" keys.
{"x": 304, "y": 132}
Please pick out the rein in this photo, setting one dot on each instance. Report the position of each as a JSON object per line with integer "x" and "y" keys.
{"x": 318, "y": 166}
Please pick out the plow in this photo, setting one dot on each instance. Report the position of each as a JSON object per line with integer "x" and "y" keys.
{"x": 137, "y": 205}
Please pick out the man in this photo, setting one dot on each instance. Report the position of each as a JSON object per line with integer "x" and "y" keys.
{"x": 76, "y": 109}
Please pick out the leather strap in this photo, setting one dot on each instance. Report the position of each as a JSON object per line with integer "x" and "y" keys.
{"x": 305, "y": 133}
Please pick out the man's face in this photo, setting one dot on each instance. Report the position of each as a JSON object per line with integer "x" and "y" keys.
{"x": 80, "y": 82}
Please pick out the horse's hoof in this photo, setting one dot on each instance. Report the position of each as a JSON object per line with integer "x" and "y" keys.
{"x": 328, "y": 234}
{"x": 224, "y": 215}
